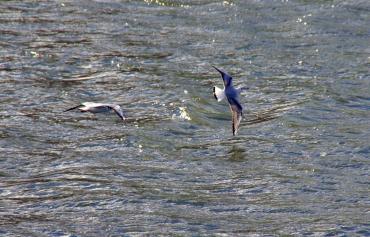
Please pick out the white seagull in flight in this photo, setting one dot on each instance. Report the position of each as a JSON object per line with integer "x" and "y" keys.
{"x": 98, "y": 108}
{"x": 232, "y": 96}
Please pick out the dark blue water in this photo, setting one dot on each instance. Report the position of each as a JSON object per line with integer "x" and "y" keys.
{"x": 298, "y": 166}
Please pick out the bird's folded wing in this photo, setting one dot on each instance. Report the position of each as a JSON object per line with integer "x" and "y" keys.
{"x": 118, "y": 111}
{"x": 236, "y": 114}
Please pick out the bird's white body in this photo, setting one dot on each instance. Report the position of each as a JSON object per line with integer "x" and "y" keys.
{"x": 219, "y": 93}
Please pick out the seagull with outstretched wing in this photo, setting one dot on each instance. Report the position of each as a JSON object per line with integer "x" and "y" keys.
{"x": 232, "y": 96}
{"x": 98, "y": 108}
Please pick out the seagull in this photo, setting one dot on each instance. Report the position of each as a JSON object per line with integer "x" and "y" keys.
{"x": 232, "y": 96}
{"x": 98, "y": 108}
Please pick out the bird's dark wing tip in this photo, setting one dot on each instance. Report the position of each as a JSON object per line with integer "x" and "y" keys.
{"x": 218, "y": 70}
{"x": 119, "y": 112}
{"x": 76, "y": 107}
{"x": 214, "y": 93}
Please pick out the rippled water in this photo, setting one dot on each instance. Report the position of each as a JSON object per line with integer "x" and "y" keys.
{"x": 299, "y": 165}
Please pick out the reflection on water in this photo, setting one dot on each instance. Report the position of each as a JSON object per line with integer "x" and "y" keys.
{"x": 271, "y": 113}
{"x": 237, "y": 153}
{"x": 298, "y": 166}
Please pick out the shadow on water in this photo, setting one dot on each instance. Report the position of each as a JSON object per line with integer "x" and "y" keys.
{"x": 270, "y": 113}
{"x": 236, "y": 153}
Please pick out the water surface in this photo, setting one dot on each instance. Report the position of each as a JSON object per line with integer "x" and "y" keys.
{"x": 299, "y": 165}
